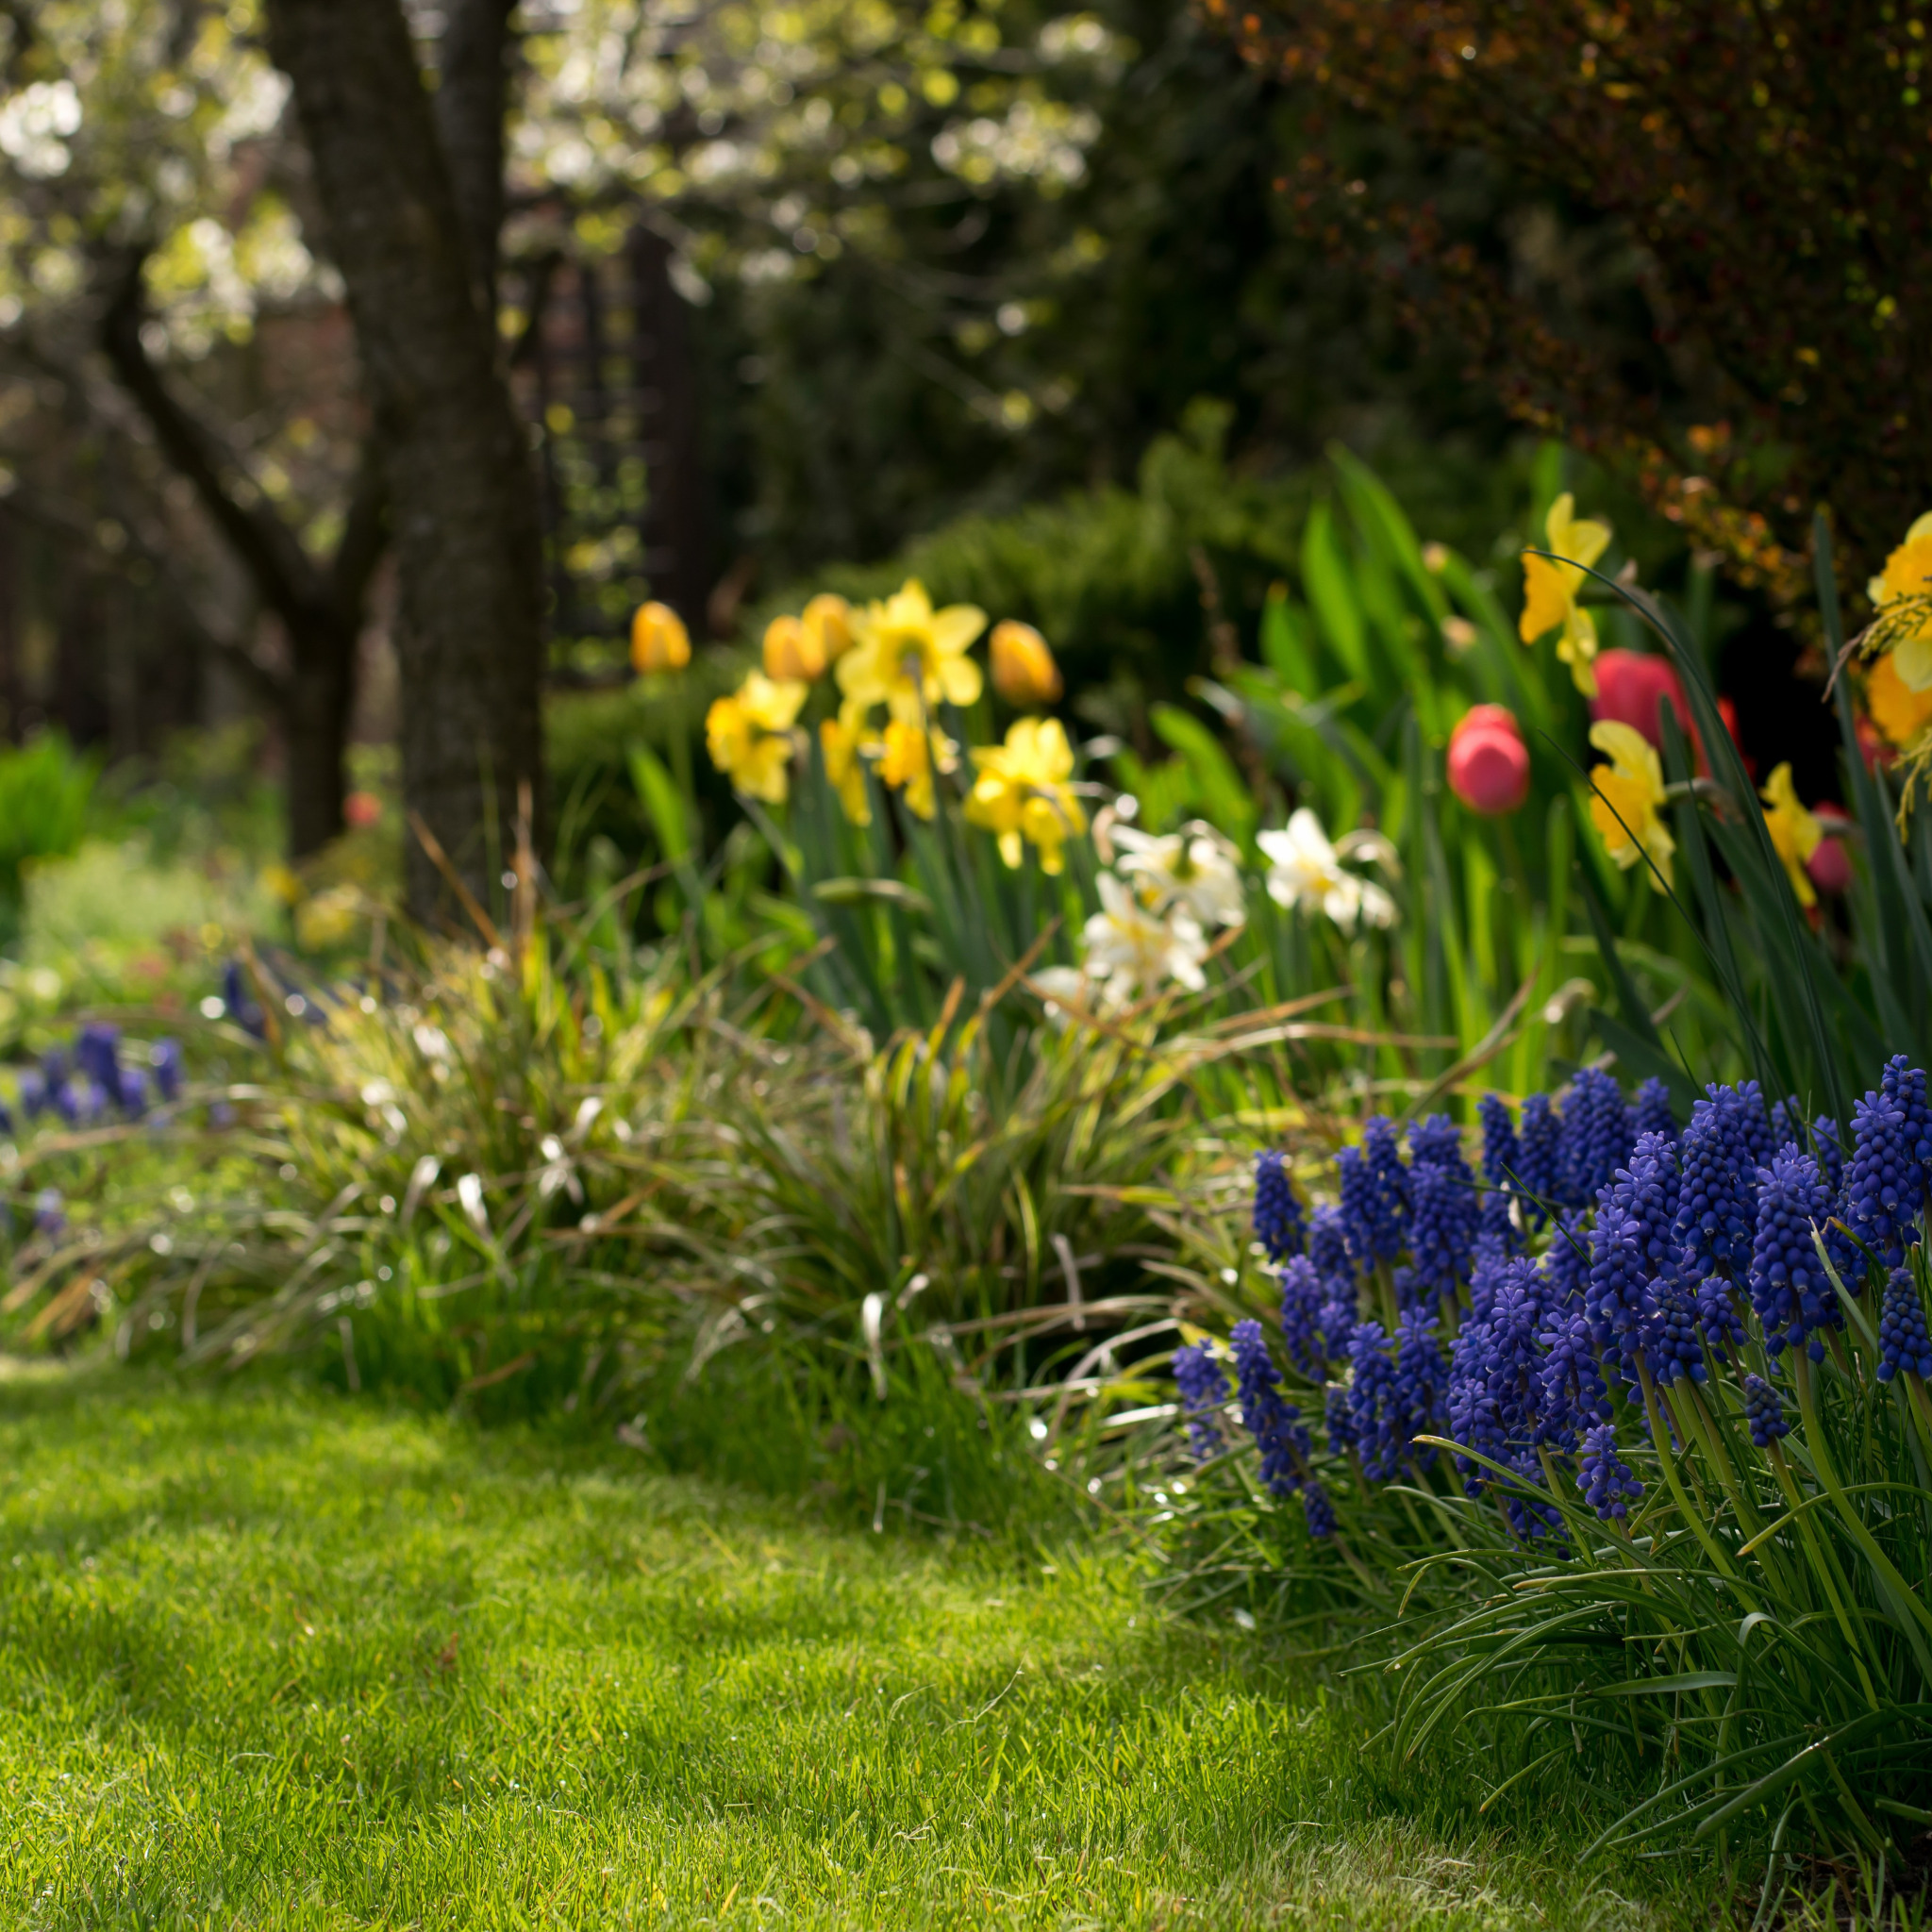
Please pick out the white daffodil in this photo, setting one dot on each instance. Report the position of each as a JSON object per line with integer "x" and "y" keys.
{"x": 1194, "y": 868}
{"x": 1129, "y": 947}
{"x": 1071, "y": 992}
{"x": 1307, "y": 871}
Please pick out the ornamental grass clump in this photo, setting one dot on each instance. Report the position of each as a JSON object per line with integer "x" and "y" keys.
{"x": 1640, "y": 1456}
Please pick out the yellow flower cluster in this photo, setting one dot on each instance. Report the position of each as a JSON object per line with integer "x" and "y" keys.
{"x": 1553, "y": 584}
{"x": 902, "y": 655}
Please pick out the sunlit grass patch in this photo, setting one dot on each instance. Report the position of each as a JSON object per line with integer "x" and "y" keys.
{"x": 274, "y": 1659}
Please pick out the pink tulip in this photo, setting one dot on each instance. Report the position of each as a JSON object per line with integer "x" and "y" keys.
{"x": 1830, "y": 864}
{"x": 1489, "y": 763}
{"x": 1631, "y": 687}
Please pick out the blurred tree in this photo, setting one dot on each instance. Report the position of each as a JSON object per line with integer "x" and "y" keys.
{"x": 148, "y": 228}
{"x": 1764, "y": 166}
{"x": 470, "y": 635}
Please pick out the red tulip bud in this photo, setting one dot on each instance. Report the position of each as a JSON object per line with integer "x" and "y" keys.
{"x": 1489, "y": 763}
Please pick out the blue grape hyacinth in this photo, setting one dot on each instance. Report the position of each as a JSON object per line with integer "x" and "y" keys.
{"x": 1204, "y": 1395}
{"x": 1728, "y": 1139}
{"x": 1903, "y": 1343}
{"x": 1275, "y": 1424}
{"x": 1328, "y": 1248}
{"x": 1764, "y": 1414}
{"x": 1792, "y": 1295}
{"x": 1374, "y": 1195}
{"x": 1883, "y": 1184}
{"x": 1654, "y": 1115}
{"x": 1541, "y": 1162}
{"x": 1598, "y": 1134}
{"x": 1605, "y": 1477}
{"x": 1279, "y": 1224}
{"x": 1304, "y": 1298}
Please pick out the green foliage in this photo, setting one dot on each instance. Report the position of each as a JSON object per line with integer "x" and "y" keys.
{"x": 46, "y": 790}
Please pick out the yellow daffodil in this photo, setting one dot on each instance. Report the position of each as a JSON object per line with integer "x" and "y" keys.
{"x": 909, "y": 759}
{"x": 1550, "y": 588}
{"x": 911, "y": 657}
{"x": 658, "y": 641}
{"x": 829, "y": 619}
{"x": 1021, "y": 794}
{"x": 1629, "y": 794}
{"x": 1907, "y": 574}
{"x": 1794, "y": 832}
{"x": 749, "y": 735}
{"x": 1898, "y": 710}
{"x": 1023, "y": 672}
{"x": 842, "y": 741}
{"x": 790, "y": 653}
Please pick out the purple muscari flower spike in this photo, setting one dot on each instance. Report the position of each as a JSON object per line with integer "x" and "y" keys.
{"x": 1717, "y": 1317}
{"x": 54, "y": 1067}
{"x": 1495, "y": 1388}
{"x": 1442, "y": 1227}
{"x": 1882, "y": 1179}
{"x": 1787, "y": 1120}
{"x": 1598, "y": 1134}
{"x": 1302, "y": 1299}
{"x": 33, "y": 1092}
{"x": 1604, "y": 1476}
{"x": 1492, "y": 1269}
{"x": 1278, "y": 1224}
{"x": 1437, "y": 1142}
{"x": 1574, "y": 1389}
{"x": 97, "y": 1054}
{"x": 1328, "y": 1246}
{"x": 1371, "y": 1397}
{"x": 1669, "y": 1331}
{"x": 1650, "y": 1190}
{"x": 1728, "y": 1139}
{"x": 1422, "y": 1378}
{"x": 1374, "y": 1195}
{"x": 1502, "y": 1157}
{"x": 1335, "y": 1320}
{"x": 1654, "y": 1115}
{"x": 1903, "y": 1343}
{"x": 1541, "y": 1163}
{"x": 6, "y": 1119}
{"x": 241, "y": 1007}
{"x": 133, "y": 1092}
{"x": 164, "y": 1057}
{"x": 1903, "y": 1085}
{"x": 1619, "y": 1279}
{"x": 1788, "y": 1286}
{"x": 1764, "y": 1414}
{"x": 1338, "y": 1412}
{"x": 1275, "y": 1424}
{"x": 1318, "y": 1509}
{"x": 1204, "y": 1394}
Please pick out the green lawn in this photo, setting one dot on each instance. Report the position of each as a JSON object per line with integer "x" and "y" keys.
{"x": 273, "y": 1659}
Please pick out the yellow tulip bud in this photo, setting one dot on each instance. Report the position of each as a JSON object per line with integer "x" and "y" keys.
{"x": 793, "y": 653}
{"x": 828, "y": 618}
{"x": 1023, "y": 672}
{"x": 658, "y": 641}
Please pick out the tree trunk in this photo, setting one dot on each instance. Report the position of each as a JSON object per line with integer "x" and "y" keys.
{"x": 463, "y": 507}
{"x": 472, "y": 85}
{"x": 317, "y": 700}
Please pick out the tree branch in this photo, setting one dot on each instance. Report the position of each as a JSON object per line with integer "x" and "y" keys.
{"x": 365, "y": 532}
{"x": 268, "y": 550}
{"x": 72, "y": 524}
